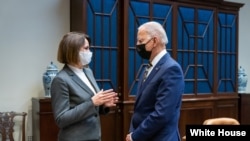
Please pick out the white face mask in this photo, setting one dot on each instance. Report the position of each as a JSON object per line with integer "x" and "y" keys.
{"x": 85, "y": 57}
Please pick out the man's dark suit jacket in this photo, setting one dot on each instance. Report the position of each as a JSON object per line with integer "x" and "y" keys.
{"x": 158, "y": 102}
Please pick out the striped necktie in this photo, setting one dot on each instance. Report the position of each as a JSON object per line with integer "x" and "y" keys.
{"x": 145, "y": 75}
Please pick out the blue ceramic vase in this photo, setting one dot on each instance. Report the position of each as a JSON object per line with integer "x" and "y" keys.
{"x": 48, "y": 76}
{"x": 242, "y": 80}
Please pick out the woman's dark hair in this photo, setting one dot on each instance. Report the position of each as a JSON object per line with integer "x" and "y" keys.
{"x": 69, "y": 47}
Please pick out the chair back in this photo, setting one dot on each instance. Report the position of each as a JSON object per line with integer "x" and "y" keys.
{"x": 7, "y": 123}
{"x": 221, "y": 121}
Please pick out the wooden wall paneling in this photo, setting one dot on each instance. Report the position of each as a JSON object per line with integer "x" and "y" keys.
{"x": 127, "y": 114}
{"x": 227, "y": 108}
{"x": 244, "y": 108}
{"x": 111, "y": 131}
{"x": 194, "y": 113}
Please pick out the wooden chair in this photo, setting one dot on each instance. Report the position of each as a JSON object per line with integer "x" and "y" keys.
{"x": 7, "y": 123}
{"x": 219, "y": 121}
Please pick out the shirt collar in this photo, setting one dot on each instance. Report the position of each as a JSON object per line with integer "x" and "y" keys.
{"x": 75, "y": 69}
{"x": 158, "y": 57}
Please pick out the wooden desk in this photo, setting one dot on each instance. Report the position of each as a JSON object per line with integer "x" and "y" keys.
{"x": 244, "y": 107}
{"x": 43, "y": 124}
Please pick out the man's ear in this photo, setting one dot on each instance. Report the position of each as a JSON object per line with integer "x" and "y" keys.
{"x": 155, "y": 40}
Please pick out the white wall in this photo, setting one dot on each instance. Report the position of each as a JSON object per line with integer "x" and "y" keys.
{"x": 30, "y": 31}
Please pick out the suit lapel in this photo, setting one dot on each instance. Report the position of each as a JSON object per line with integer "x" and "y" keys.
{"x": 157, "y": 67}
{"x": 78, "y": 80}
{"x": 145, "y": 83}
{"x": 91, "y": 78}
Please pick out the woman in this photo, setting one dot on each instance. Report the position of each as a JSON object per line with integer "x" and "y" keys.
{"x": 76, "y": 98}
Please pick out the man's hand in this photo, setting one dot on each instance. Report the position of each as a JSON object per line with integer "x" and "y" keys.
{"x": 128, "y": 137}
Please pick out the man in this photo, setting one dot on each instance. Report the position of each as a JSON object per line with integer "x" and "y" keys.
{"x": 158, "y": 100}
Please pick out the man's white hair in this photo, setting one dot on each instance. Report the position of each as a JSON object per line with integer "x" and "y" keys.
{"x": 155, "y": 29}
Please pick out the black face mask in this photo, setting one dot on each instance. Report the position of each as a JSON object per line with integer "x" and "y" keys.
{"x": 141, "y": 50}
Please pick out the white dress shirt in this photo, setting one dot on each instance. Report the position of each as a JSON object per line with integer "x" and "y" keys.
{"x": 156, "y": 60}
{"x": 82, "y": 76}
